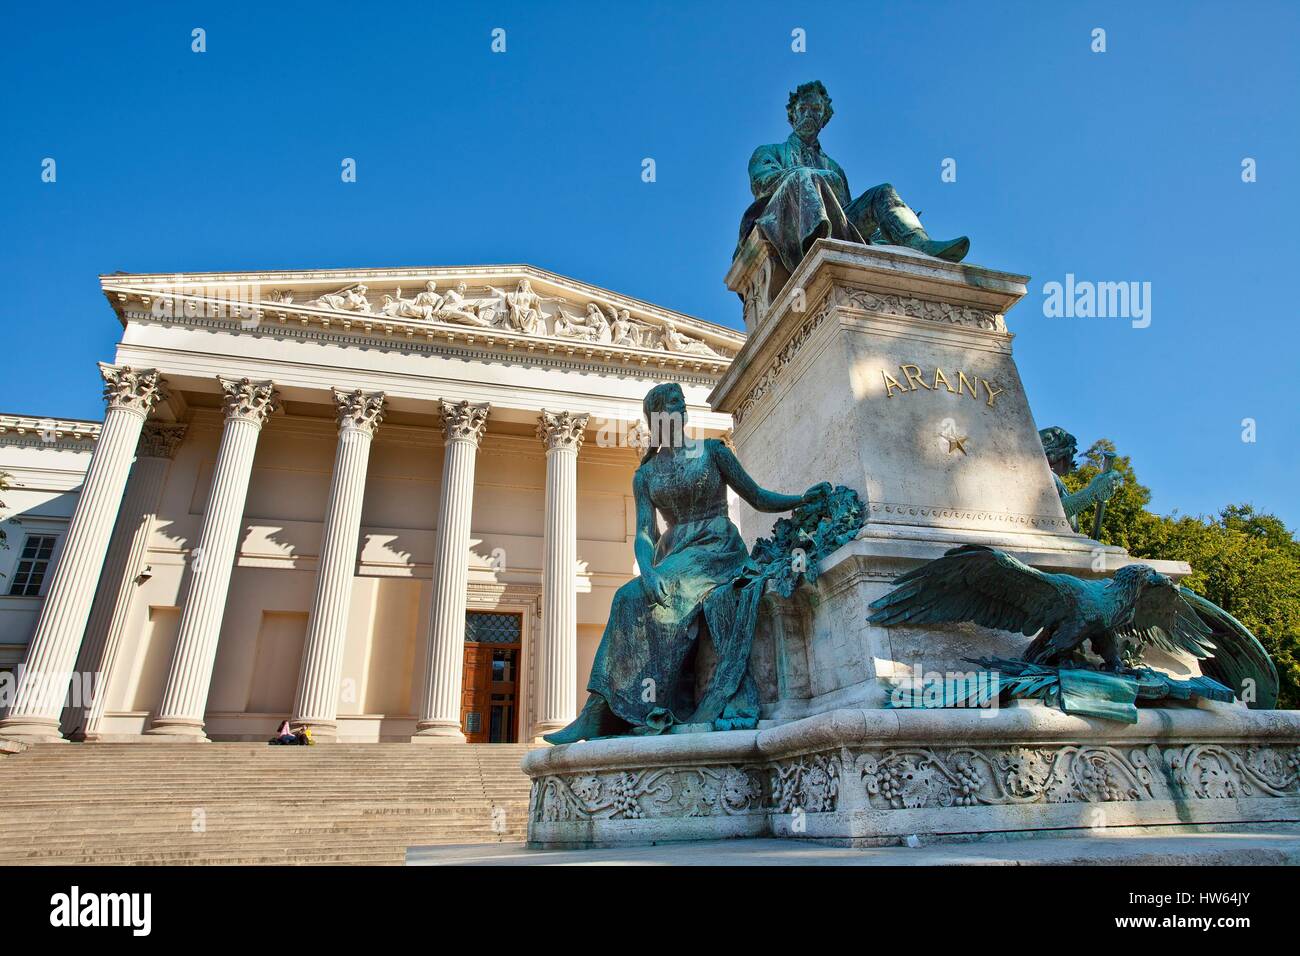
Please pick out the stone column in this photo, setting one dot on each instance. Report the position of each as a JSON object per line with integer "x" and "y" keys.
{"x": 120, "y": 578}
{"x": 247, "y": 405}
{"x": 316, "y": 705}
{"x": 561, "y": 432}
{"x": 463, "y": 427}
{"x": 52, "y": 653}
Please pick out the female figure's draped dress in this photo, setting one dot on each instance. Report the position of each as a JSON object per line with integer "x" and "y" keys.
{"x": 647, "y": 647}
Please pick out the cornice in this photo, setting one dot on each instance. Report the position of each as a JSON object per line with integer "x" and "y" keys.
{"x": 60, "y": 432}
{"x": 413, "y": 336}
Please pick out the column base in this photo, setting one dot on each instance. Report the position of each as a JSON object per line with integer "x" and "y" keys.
{"x": 32, "y": 730}
{"x": 431, "y": 732}
{"x": 183, "y": 729}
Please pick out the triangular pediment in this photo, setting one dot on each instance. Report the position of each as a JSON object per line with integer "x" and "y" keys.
{"x": 509, "y": 306}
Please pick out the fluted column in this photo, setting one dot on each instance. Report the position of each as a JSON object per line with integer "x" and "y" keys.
{"x": 557, "y": 668}
{"x": 316, "y": 705}
{"x": 52, "y": 653}
{"x": 119, "y": 580}
{"x": 463, "y": 426}
{"x": 247, "y": 405}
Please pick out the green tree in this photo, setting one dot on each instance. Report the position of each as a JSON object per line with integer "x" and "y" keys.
{"x": 1246, "y": 562}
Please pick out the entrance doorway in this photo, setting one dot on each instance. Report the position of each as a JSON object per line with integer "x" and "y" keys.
{"x": 489, "y": 711}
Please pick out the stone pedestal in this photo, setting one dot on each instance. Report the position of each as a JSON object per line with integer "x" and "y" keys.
{"x": 892, "y": 373}
{"x": 877, "y": 777}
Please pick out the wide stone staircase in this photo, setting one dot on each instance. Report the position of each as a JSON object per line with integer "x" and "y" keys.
{"x": 241, "y": 803}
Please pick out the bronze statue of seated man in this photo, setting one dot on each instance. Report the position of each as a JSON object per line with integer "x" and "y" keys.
{"x": 802, "y": 195}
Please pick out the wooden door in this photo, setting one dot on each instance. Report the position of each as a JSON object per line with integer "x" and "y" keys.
{"x": 476, "y": 693}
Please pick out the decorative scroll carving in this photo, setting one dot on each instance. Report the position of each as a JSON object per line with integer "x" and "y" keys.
{"x": 758, "y": 296}
{"x": 783, "y": 358}
{"x": 561, "y": 429}
{"x": 918, "y": 777}
{"x": 648, "y": 794}
{"x": 932, "y": 311}
{"x": 247, "y": 400}
{"x": 135, "y": 389}
{"x": 464, "y": 421}
{"x": 810, "y": 784}
{"x": 160, "y": 439}
{"x": 914, "y": 777}
{"x": 359, "y": 410}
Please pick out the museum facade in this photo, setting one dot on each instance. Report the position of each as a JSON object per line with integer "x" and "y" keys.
{"x": 389, "y": 505}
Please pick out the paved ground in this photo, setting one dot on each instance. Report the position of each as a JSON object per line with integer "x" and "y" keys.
{"x": 1201, "y": 849}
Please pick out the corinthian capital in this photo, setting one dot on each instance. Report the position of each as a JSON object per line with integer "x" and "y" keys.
{"x": 362, "y": 411}
{"x": 247, "y": 400}
{"x": 561, "y": 429}
{"x": 135, "y": 389}
{"x": 464, "y": 420}
{"x": 160, "y": 439}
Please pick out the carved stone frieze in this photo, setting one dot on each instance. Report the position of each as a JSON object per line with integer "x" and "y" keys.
{"x": 520, "y": 310}
{"x": 810, "y": 784}
{"x": 917, "y": 777}
{"x": 649, "y": 794}
{"x": 783, "y": 358}
{"x": 927, "y": 309}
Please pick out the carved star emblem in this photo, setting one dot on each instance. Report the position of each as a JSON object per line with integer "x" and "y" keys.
{"x": 957, "y": 443}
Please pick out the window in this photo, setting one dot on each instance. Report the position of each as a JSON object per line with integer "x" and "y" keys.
{"x": 33, "y": 564}
{"x": 493, "y": 627}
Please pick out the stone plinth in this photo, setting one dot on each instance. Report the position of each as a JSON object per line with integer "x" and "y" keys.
{"x": 891, "y": 372}
{"x": 871, "y": 777}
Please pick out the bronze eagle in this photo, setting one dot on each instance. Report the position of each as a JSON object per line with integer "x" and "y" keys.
{"x": 1120, "y": 616}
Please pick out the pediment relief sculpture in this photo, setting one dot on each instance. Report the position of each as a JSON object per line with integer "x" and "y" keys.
{"x": 521, "y": 310}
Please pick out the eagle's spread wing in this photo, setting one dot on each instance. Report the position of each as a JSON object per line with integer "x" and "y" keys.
{"x": 1162, "y": 618}
{"x": 979, "y": 584}
{"x": 1238, "y": 655}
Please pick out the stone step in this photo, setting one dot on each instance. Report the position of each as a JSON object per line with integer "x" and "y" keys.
{"x": 332, "y": 804}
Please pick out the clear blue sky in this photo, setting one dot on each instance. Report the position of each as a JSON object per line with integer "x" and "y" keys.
{"x": 1124, "y": 165}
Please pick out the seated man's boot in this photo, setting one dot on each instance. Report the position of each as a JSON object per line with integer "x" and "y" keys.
{"x": 595, "y": 720}
{"x": 902, "y": 228}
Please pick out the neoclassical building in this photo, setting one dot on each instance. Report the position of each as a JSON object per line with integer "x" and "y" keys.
{"x": 388, "y": 504}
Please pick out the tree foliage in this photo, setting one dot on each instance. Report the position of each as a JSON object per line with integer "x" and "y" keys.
{"x": 1246, "y": 562}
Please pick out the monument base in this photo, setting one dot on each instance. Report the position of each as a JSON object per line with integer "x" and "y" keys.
{"x": 878, "y": 777}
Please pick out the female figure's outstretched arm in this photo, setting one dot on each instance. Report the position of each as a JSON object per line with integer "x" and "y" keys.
{"x": 757, "y": 497}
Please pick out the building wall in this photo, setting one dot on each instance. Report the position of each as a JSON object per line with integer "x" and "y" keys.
{"x": 45, "y": 474}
